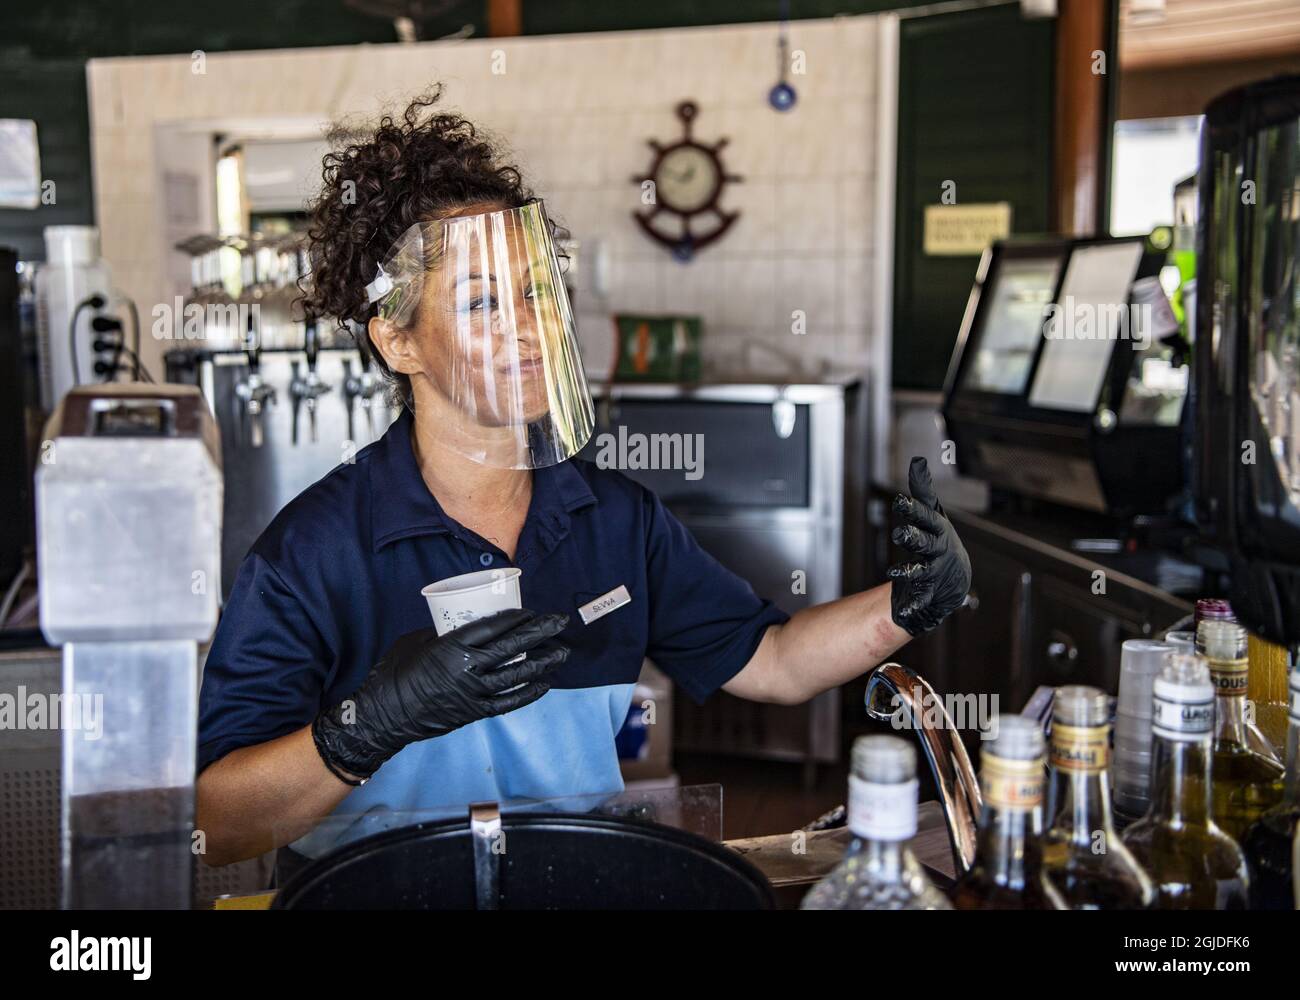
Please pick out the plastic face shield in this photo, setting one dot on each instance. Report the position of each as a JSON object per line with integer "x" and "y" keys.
{"x": 484, "y": 296}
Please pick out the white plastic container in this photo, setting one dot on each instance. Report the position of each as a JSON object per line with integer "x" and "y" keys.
{"x": 72, "y": 273}
{"x": 1140, "y": 662}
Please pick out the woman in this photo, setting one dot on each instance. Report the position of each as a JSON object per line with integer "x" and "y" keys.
{"x": 326, "y": 691}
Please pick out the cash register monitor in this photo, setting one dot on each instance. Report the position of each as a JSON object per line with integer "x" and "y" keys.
{"x": 1090, "y": 312}
{"x": 1009, "y": 326}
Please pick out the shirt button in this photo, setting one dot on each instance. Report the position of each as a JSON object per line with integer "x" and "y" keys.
{"x": 486, "y": 558}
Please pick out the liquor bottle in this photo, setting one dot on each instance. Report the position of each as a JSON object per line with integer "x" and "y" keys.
{"x": 1246, "y": 784}
{"x": 879, "y": 871}
{"x": 1268, "y": 844}
{"x": 1007, "y": 873}
{"x": 1194, "y": 864}
{"x": 1084, "y": 860}
{"x": 1214, "y": 610}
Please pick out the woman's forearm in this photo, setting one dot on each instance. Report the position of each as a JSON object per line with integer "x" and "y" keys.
{"x": 264, "y": 796}
{"x": 820, "y": 648}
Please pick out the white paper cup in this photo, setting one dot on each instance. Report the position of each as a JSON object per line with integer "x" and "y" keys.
{"x": 459, "y": 600}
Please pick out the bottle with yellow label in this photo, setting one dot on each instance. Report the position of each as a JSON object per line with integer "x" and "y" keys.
{"x": 1008, "y": 870}
{"x": 1194, "y": 864}
{"x": 1246, "y": 784}
{"x": 1084, "y": 860}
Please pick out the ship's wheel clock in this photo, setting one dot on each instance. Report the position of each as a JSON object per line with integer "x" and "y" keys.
{"x": 688, "y": 179}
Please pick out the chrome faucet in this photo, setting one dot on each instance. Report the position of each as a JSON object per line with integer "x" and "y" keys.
{"x": 257, "y": 394}
{"x": 306, "y": 389}
{"x": 893, "y": 689}
{"x": 310, "y": 388}
{"x": 362, "y": 387}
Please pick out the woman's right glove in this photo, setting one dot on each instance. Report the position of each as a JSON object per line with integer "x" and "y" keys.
{"x": 428, "y": 685}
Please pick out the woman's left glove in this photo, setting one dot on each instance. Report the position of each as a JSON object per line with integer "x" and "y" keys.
{"x": 932, "y": 585}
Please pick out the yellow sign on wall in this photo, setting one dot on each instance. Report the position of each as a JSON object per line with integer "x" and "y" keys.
{"x": 964, "y": 230}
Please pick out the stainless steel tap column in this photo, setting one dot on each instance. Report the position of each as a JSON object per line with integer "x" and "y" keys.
{"x": 128, "y": 511}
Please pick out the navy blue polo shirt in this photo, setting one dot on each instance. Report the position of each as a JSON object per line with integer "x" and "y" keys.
{"x": 336, "y": 578}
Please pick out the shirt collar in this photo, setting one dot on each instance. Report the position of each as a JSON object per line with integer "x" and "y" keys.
{"x": 401, "y": 505}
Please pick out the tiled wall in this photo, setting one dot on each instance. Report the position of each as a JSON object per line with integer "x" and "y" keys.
{"x": 576, "y": 111}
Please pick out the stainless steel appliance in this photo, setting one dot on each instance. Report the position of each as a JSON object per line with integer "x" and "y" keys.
{"x": 128, "y": 515}
{"x": 780, "y": 500}
{"x": 292, "y": 398}
{"x": 287, "y": 417}
{"x": 15, "y": 491}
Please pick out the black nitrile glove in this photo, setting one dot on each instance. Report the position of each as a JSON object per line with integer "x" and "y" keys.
{"x": 427, "y": 685}
{"x": 930, "y": 587}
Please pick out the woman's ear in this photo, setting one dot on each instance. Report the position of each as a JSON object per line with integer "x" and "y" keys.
{"x": 394, "y": 345}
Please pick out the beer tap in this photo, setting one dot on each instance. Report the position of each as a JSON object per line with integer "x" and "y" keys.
{"x": 310, "y": 388}
{"x": 256, "y": 393}
{"x": 361, "y": 386}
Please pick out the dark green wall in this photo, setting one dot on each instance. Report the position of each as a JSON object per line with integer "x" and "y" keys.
{"x": 975, "y": 107}
{"x": 53, "y": 92}
{"x": 43, "y": 51}
{"x": 90, "y": 28}
{"x": 44, "y": 45}
{"x": 553, "y": 17}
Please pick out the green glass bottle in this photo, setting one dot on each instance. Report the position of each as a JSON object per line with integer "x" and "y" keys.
{"x": 1246, "y": 784}
{"x": 1269, "y": 842}
{"x": 1194, "y": 864}
{"x": 1084, "y": 860}
{"x": 1008, "y": 870}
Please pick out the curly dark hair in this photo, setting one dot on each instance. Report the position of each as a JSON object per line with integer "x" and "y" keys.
{"x": 376, "y": 185}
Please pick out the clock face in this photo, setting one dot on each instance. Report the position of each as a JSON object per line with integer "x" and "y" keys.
{"x": 687, "y": 178}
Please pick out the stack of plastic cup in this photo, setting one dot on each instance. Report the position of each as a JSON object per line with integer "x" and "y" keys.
{"x": 1140, "y": 664}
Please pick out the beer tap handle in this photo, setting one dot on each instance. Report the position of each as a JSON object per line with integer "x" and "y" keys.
{"x": 311, "y": 343}
{"x": 349, "y": 395}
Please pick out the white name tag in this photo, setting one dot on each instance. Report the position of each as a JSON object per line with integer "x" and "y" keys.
{"x": 603, "y": 605}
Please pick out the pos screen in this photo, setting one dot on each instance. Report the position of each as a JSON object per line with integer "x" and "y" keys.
{"x": 1008, "y": 327}
{"x": 1091, "y": 311}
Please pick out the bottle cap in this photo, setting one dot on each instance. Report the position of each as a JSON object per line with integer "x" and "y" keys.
{"x": 1213, "y": 609}
{"x": 1222, "y": 640}
{"x": 1184, "y": 700}
{"x": 1078, "y": 705}
{"x": 1016, "y": 738}
{"x": 884, "y": 759}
